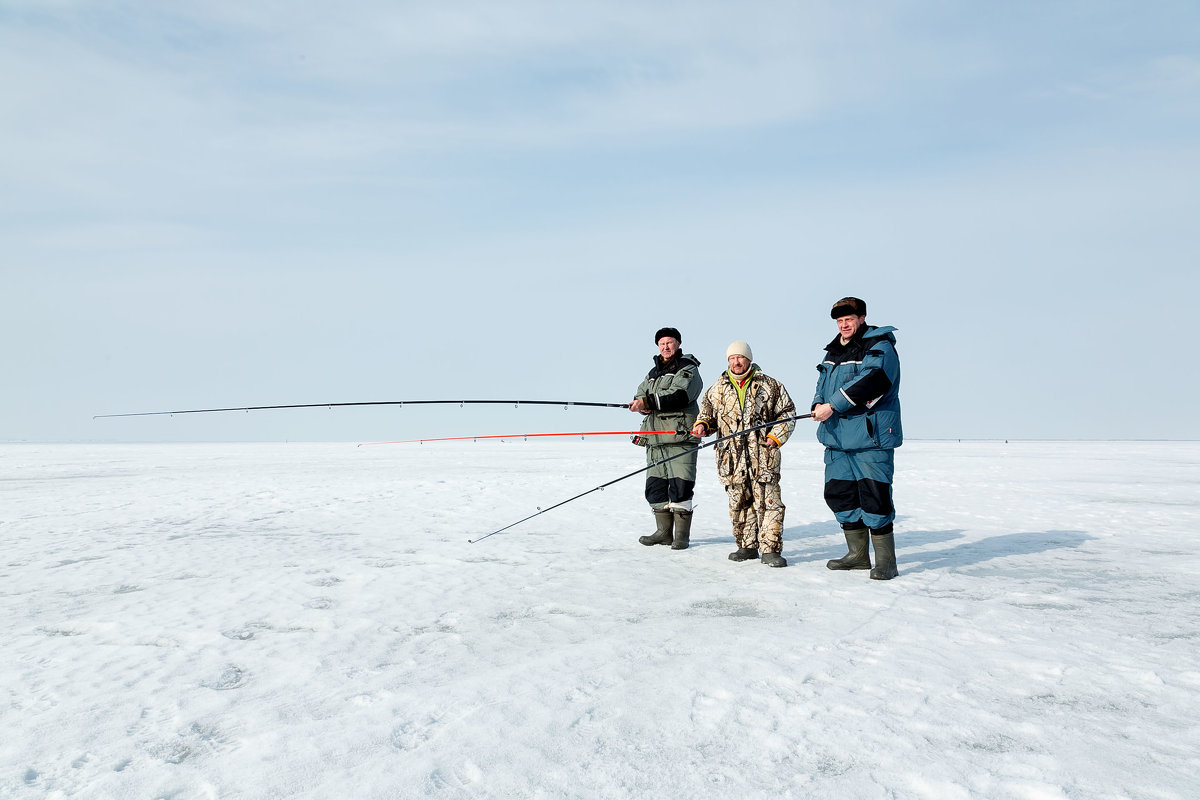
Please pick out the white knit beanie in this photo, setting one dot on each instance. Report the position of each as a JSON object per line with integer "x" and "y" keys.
{"x": 739, "y": 348}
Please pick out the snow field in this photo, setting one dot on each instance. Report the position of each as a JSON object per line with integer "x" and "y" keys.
{"x": 308, "y": 620}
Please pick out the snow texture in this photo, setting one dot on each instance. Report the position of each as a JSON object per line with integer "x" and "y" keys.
{"x": 309, "y": 621}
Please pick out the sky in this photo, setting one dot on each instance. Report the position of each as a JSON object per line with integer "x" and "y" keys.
{"x": 208, "y": 205}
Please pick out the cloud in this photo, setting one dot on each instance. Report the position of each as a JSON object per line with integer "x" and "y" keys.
{"x": 379, "y": 76}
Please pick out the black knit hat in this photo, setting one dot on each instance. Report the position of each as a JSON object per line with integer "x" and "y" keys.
{"x": 848, "y": 307}
{"x": 674, "y": 332}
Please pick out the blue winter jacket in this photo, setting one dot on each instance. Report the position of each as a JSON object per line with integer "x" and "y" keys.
{"x": 861, "y": 380}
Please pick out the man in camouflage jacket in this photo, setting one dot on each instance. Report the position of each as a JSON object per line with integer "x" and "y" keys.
{"x": 667, "y": 399}
{"x": 743, "y": 397}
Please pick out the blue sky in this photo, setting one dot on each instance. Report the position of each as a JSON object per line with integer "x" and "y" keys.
{"x": 207, "y": 204}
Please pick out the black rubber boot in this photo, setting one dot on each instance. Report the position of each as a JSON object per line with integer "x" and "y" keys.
{"x": 665, "y": 521}
{"x": 773, "y": 560}
{"x": 683, "y": 530}
{"x": 744, "y": 554}
{"x": 885, "y": 557}
{"x": 858, "y": 555}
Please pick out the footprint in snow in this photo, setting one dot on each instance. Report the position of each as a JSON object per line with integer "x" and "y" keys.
{"x": 231, "y": 677}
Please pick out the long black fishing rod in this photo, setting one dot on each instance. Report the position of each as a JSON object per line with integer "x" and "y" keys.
{"x": 718, "y": 440}
{"x": 515, "y": 403}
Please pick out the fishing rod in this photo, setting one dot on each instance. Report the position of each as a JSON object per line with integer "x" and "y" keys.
{"x": 602, "y": 486}
{"x": 514, "y": 403}
{"x": 580, "y": 434}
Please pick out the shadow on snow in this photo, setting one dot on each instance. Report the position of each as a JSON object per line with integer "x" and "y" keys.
{"x": 976, "y": 552}
{"x": 809, "y": 543}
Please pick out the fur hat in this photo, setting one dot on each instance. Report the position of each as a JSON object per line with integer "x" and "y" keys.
{"x": 672, "y": 332}
{"x": 848, "y": 307}
{"x": 739, "y": 348}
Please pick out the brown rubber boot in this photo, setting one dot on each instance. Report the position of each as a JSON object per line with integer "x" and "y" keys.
{"x": 859, "y": 556}
{"x": 885, "y": 556}
{"x": 665, "y": 520}
{"x": 683, "y": 530}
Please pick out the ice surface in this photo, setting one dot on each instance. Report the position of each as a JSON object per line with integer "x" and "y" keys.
{"x": 309, "y": 621}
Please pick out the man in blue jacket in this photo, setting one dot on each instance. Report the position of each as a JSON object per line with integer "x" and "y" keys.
{"x": 857, "y": 404}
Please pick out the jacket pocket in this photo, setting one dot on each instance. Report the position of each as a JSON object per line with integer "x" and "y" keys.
{"x": 769, "y": 461}
{"x": 676, "y": 421}
{"x": 888, "y": 432}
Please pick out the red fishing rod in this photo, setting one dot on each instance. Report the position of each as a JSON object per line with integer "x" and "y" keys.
{"x": 580, "y": 434}
{"x": 515, "y": 403}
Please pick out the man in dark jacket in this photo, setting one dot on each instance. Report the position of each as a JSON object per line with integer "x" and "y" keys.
{"x": 857, "y": 402}
{"x": 667, "y": 397}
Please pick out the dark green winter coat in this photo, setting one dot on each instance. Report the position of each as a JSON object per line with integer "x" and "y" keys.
{"x": 671, "y": 391}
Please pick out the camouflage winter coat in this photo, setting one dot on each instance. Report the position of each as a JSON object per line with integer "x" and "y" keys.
{"x": 747, "y": 458}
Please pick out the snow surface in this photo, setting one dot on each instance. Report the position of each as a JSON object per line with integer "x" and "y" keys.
{"x": 309, "y": 621}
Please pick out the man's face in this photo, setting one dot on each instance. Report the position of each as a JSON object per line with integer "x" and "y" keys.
{"x": 849, "y": 325}
{"x": 738, "y": 364}
{"x": 668, "y": 346}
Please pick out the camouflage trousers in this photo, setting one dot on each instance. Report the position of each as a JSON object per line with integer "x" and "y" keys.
{"x": 756, "y": 511}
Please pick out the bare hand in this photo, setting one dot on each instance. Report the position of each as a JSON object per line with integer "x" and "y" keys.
{"x": 638, "y": 405}
{"x": 822, "y": 412}
{"x": 700, "y": 431}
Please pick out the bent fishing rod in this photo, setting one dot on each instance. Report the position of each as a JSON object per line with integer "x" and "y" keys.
{"x": 602, "y": 486}
{"x": 515, "y": 403}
